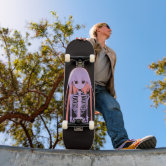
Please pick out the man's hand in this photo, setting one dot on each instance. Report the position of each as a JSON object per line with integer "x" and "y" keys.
{"x": 80, "y": 38}
{"x": 97, "y": 112}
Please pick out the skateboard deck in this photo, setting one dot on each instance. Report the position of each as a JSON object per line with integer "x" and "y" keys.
{"x": 78, "y": 114}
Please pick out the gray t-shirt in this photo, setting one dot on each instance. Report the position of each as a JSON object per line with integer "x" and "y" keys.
{"x": 102, "y": 68}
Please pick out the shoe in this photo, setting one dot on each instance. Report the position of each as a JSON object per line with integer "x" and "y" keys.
{"x": 147, "y": 142}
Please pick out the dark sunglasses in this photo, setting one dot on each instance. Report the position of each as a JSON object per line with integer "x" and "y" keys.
{"x": 108, "y": 26}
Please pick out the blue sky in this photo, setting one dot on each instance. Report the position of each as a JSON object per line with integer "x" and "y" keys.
{"x": 138, "y": 38}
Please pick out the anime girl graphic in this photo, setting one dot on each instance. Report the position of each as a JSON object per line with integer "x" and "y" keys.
{"x": 78, "y": 96}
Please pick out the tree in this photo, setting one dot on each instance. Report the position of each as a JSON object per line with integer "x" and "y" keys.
{"x": 158, "y": 87}
{"x": 31, "y": 83}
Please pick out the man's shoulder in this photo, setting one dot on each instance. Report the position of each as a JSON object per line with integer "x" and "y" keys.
{"x": 92, "y": 40}
{"x": 111, "y": 51}
{"x": 95, "y": 43}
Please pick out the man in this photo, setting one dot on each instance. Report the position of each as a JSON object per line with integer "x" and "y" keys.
{"x": 105, "y": 96}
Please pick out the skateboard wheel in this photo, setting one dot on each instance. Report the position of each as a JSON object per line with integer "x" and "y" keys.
{"x": 65, "y": 124}
{"x": 92, "y": 58}
{"x": 91, "y": 125}
{"x": 67, "y": 57}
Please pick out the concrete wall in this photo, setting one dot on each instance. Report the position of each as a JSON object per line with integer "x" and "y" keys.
{"x": 16, "y": 156}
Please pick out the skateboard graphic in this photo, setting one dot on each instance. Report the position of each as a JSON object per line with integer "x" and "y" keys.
{"x": 78, "y": 114}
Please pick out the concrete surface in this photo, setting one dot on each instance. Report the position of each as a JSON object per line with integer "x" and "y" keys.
{"x": 17, "y": 156}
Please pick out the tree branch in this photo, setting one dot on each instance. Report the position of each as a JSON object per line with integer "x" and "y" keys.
{"x": 27, "y": 134}
{"x": 57, "y": 134}
{"x": 47, "y": 131}
{"x": 33, "y": 69}
{"x": 54, "y": 52}
{"x": 36, "y": 91}
{"x": 45, "y": 105}
{"x": 3, "y": 98}
{"x": 31, "y": 118}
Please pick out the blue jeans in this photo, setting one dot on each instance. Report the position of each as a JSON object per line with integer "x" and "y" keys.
{"x": 110, "y": 109}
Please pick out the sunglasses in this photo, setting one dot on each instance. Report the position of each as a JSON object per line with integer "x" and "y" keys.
{"x": 108, "y": 26}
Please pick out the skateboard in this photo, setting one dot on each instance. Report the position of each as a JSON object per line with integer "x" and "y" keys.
{"x": 78, "y": 113}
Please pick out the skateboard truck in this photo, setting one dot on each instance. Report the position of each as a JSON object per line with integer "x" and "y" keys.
{"x": 76, "y": 127}
{"x": 91, "y": 58}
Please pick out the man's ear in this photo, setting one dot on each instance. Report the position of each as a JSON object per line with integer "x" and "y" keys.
{"x": 97, "y": 29}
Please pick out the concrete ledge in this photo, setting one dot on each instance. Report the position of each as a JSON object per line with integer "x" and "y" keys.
{"x": 17, "y": 156}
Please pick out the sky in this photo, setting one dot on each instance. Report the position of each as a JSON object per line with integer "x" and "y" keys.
{"x": 138, "y": 38}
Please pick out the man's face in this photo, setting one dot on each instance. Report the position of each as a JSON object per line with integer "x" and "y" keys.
{"x": 105, "y": 30}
